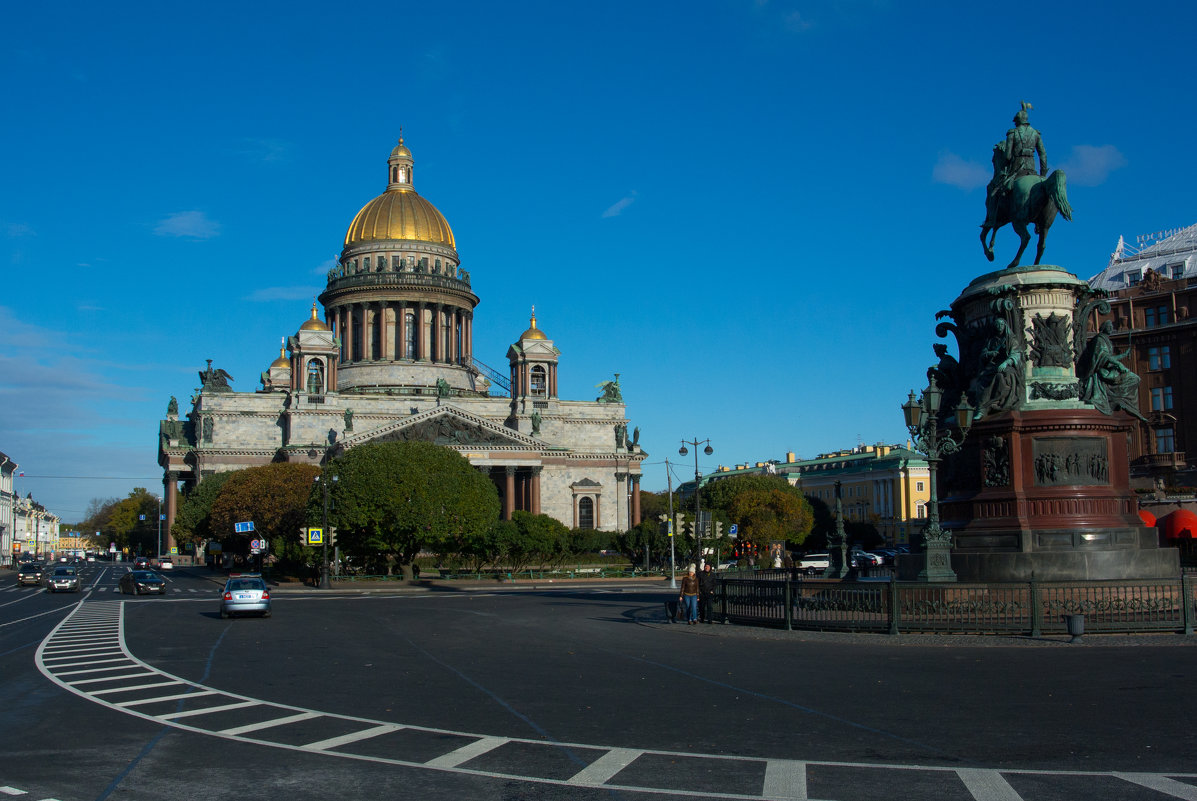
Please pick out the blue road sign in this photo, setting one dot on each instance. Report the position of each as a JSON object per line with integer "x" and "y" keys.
{"x": 734, "y": 530}
{"x": 243, "y": 528}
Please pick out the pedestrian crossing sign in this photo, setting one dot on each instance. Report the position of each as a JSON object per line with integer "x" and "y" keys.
{"x": 315, "y": 536}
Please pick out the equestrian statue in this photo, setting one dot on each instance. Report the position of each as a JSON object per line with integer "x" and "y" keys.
{"x": 1018, "y": 194}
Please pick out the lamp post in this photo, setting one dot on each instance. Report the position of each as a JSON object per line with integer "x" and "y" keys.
{"x": 325, "y": 584}
{"x": 708, "y": 450}
{"x": 922, "y": 420}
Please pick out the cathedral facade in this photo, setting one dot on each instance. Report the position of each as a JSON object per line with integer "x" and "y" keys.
{"x": 393, "y": 360}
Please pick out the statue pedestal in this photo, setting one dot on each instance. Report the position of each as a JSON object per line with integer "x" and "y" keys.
{"x": 1040, "y": 488}
{"x": 1046, "y": 495}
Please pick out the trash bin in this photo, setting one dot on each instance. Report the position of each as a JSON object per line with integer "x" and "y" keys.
{"x": 1076, "y": 626}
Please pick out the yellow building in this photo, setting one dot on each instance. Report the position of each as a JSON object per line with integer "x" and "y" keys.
{"x": 885, "y": 485}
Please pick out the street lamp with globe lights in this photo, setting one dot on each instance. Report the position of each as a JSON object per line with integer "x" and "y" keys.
{"x": 708, "y": 450}
{"x": 922, "y": 420}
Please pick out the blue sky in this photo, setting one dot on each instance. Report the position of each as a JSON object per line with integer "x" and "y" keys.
{"x": 750, "y": 210}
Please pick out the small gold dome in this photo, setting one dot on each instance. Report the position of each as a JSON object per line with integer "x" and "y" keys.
{"x": 314, "y": 324}
{"x": 400, "y": 214}
{"x": 401, "y": 150}
{"x": 533, "y": 332}
{"x": 282, "y": 360}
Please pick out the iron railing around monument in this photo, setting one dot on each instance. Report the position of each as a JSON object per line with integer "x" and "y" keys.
{"x": 1031, "y": 608}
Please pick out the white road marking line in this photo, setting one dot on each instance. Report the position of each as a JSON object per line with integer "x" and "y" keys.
{"x": 269, "y": 724}
{"x": 162, "y": 698}
{"x": 466, "y": 752}
{"x": 987, "y": 785}
{"x": 92, "y": 670}
{"x": 207, "y": 710}
{"x": 48, "y": 660}
{"x": 141, "y": 673}
{"x": 785, "y": 779}
{"x": 1162, "y": 784}
{"x": 602, "y": 769}
{"x": 12, "y": 791}
{"x": 352, "y": 737}
{"x": 135, "y": 687}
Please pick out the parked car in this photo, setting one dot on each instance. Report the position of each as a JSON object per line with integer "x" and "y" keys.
{"x": 245, "y": 593}
{"x": 29, "y": 573}
{"x": 865, "y": 559}
{"x": 814, "y": 562}
{"x": 138, "y": 582}
{"x": 65, "y": 578}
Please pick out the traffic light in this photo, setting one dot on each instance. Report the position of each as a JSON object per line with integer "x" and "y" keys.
{"x": 718, "y": 529}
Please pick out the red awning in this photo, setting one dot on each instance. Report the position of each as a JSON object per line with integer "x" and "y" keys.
{"x": 1180, "y": 525}
{"x": 1147, "y": 517}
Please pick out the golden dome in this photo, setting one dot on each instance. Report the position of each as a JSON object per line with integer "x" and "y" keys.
{"x": 533, "y": 332}
{"x": 282, "y": 360}
{"x": 314, "y": 324}
{"x": 400, "y": 214}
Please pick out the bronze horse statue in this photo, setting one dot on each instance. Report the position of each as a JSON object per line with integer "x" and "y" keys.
{"x": 1032, "y": 199}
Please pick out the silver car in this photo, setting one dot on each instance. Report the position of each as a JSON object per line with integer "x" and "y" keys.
{"x": 63, "y": 578}
{"x": 245, "y": 594}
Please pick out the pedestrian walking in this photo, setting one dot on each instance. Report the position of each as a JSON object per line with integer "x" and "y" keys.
{"x": 689, "y": 597}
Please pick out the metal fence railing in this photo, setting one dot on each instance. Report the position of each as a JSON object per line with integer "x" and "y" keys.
{"x": 1034, "y": 608}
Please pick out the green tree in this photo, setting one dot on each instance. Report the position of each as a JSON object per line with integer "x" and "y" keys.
{"x": 540, "y": 540}
{"x": 276, "y": 498}
{"x": 394, "y": 499}
{"x": 720, "y": 494}
{"x": 764, "y": 515}
{"x": 193, "y": 519}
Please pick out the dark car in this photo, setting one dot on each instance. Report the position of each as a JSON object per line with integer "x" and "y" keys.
{"x": 138, "y": 582}
{"x": 141, "y": 563}
{"x": 29, "y": 573}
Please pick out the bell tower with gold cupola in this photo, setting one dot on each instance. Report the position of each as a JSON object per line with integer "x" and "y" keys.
{"x": 398, "y": 301}
{"x": 533, "y": 360}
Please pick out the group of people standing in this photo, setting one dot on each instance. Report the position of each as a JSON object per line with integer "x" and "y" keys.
{"x": 697, "y": 596}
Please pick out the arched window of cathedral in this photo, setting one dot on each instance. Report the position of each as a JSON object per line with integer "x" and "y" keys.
{"x": 586, "y": 513}
{"x": 315, "y": 377}
{"x": 444, "y": 354}
{"x": 366, "y": 264}
{"x": 409, "y": 336}
{"x": 538, "y": 381}
{"x": 396, "y": 266}
{"x": 355, "y": 321}
{"x": 402, "y": 175}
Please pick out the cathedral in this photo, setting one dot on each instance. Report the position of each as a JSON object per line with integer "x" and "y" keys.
{"x": 393, "y": 360}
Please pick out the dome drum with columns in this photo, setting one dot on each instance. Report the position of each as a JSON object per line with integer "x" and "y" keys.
{"x": 394, "y": 360}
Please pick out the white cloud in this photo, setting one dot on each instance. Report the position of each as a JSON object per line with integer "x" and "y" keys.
{"x": 266, "y": 150}
{"x": 272, "y": 293}
{"x": 1090, "y": 165}
{"x": 615, "y": 209}
{"x": 795, "y": 23}
{"x": 188, "y": 224}
{"x": 955, "y": 171}
{"x": 323, "y": 267}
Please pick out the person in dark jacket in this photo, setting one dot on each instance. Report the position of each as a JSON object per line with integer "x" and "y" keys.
{"x": 706, "y": 594}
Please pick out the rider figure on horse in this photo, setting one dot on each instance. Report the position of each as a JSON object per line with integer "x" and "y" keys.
{"x": 1013, "y": 159}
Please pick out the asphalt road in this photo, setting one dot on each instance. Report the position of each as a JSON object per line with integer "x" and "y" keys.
{"x": 573, "y": 693}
